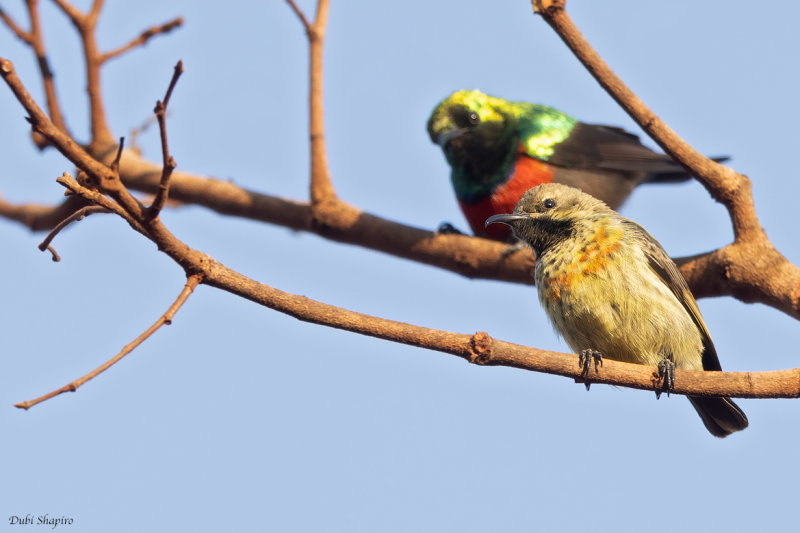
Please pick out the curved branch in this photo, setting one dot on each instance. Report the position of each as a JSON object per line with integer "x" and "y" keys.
{"x": 163, "y": 320}
{"x": 479, "y": 348}
{"x": 80, "y": 214}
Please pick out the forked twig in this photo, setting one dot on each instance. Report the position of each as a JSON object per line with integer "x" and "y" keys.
{"x": 302, "y": 16}
{"x": 21, "y": 34}
{"x": 191, "y": 282}
{"x": 322, "y": 192}
{"x": 168, "y": 162}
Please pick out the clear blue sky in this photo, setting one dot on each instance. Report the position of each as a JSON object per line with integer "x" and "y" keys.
{"x": 237, "y": 418}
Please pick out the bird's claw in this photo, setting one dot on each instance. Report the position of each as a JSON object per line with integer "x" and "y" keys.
{"x": 666, "y": 373}
{"x": 585, "y": 360}
{"x": 446, "y": 228}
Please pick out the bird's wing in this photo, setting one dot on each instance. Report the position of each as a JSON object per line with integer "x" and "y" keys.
{"x": 592, "y": 146}
{"x": 666, "y": 270}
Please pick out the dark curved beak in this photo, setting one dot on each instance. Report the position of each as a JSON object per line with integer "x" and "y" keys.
{"x": 447, "y": 136}
{"x": 504, "y": 219}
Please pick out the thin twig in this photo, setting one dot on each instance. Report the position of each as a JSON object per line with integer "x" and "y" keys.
{"x": 94, "y": 13}
{"x": 74, "y": 217}
{"x": 165, "y": 319}
{"x": 19, "y": 32}
{"x": 176, "y": 73}
{"x": 115, "y": 164}
{"x": 72, "y": 12}
{"x": 168, "y": 162}
{"x": 142, "y": 39}
{"x": 306, "y": 24}
{"x": 35, "y": 40}
{"x": 135, "y": 132}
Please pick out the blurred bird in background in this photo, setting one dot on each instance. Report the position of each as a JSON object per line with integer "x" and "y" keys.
{"x": 498, "y": 149}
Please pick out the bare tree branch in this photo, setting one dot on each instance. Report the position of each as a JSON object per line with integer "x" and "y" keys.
{"x": 323, "y": 195}
{"x": 303, "y": 20}
{"x": 165, "y": 319}
{"x": 78, "y": 215}
{"x": 85, "y": 25}
{"x": 750, "y": 268}
{"x": 41, "y": 217}
{"x": 35, "y": 39}
{"x": 94, "y": 13}
{"x": 14, "y": 27}
{"x": 101, "y": 184}
{"x": 142, "y": 38}
{"x": 710, "y": 274}
{"x": 75, "y": 16}
{"x": 168, "y": 163}
{"x": 479, "y": 348}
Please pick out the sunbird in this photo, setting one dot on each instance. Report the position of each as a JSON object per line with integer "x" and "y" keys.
{"x": 611, "y": 290}
{"x": 498, "y": 149}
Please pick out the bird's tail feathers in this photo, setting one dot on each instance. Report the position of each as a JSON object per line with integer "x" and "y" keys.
{"x": 675, "y": 174}
{"x": 720, "y": 415}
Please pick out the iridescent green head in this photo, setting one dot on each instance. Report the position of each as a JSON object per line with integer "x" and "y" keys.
{"x": 481, "y": 135}
{"x": 474, "y": 130}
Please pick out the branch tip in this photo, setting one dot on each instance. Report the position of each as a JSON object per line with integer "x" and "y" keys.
{"x": 542, "y": 6}
{"x": 78, "y": 215}
{"x": 55, "y": 257}
{"x": 115, "y": 164}
{"x": 192, "y": 281}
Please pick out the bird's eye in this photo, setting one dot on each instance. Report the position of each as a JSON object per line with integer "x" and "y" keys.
{"x": 549, "y": 203}
{"x": 473, "y": 118}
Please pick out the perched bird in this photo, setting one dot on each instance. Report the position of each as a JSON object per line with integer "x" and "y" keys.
{"x": 498, "y": 149}
{"x": 611, "y": 290}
